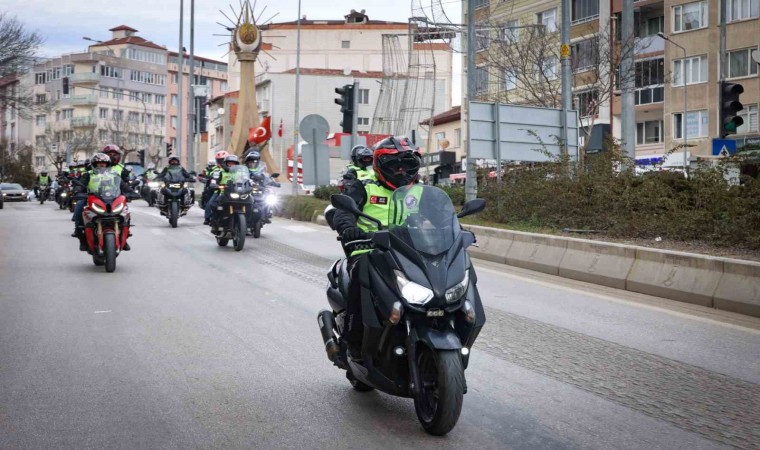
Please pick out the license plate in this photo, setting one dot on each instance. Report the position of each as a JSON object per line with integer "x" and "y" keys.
{"x": 435, "y": 313}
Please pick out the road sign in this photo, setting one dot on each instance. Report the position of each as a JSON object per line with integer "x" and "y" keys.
{"x": 516, "y": 133}
{"x": 345, "y": 145}
{"x": 723, "y": 147}
{"x": 314, "y": 128}
{"x": 564, "y": 51}
{"x": 316, "y": 164}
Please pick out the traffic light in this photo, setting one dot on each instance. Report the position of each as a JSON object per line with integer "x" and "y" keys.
{"x": 346, "y": 102}
{"x": 65, "y": 85}
{"x": 168, "y": 149}
{"x": 141, "y": 157}
{"x": 729, "y": 106}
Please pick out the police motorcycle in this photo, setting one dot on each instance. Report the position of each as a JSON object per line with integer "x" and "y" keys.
{"x": 106, "y": 218}
{"x": 234, "y": 202}
{"x": 264, "y": 201}
{"x": 175, "y": 197}
{"x": 420, "y": 305}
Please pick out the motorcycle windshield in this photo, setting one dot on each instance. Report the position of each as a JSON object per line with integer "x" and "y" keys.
{"x": 239, "y": 175}
{"x": 424, "y": 218}
{"x": 105, "y": 184}
{"x": 174, "y": 175}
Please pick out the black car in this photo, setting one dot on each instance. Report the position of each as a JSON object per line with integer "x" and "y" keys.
{"x": 14, "y": 192}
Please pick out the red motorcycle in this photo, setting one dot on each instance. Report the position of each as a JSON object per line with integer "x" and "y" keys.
{"x": 106, "y": 219}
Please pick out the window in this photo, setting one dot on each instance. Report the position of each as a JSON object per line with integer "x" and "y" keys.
{"x": 548, "y": 19}
{"x": 510, "y": 80}
{"x": 147, "y": 77}
{"x": 132, "y": 138}
{"x": 224, "y": 86}
{"x": 39, "y": 141}
{"x": 364, "y": 96}
{"x": 583, "y": 10}
{"x": 68, "y": 69}
{"x": 40, "y": 160}
{"x": 147, "y": 98}
{"x": 652, "y": 26}
{"x": 690, "y": 16}
{"x": 40, "y": 78}
{"x": 649, "y": 81}
{"x": 483, "y": 40}
{"x": 67, "y": 113}
{"x": 362, "y": 121}
{"x": 547, "y": 69}
{"x": 160, "y": 99}
{"x": 118, "y": 94}
{"x": 133, "y": 117}
{"x": 174, "y": 121}
{"x": 481, "y": 3}
{"x": 58, "y": 94}
{"x": 144, "y": 55}
{"x": 110, "y": 72}
{"x": 175, "y": 78}
{"x": 105, "y": 92}
{"x": 159, "y": 120}
{"x": 740, "y": 63}
{"x": 103, "y": 113}
{"x": 57, "y": 116}
{"x": 174, "y": 99}
{"x": 583, "y": 55}
{"x": 40, "y": 99}
{"x": 345, "y": 44}
{"x": 481, "y": 80}
{"x": 40, "y": 121}
{"x": 117, "y": 114}
{"x": 694, "y": 69}
{"x": 649, "y": 132}
{"x": 741, "y": 9}
{"x": 158, "y": 141}
{"x": 132, "y": 96}
{"x": 146, "y": 118}
{"x": 696, "y": 124}
{"x": 458, "y": 137}
{"x": 749, "y": 114}
{"x": 510, "y": 33}
{"x": 587, "y": 103}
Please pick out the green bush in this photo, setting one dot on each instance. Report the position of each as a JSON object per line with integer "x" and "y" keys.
{"x": 301, "y": 208}
{"x": 456, "y": 194}
{"x": 324, "y": 192}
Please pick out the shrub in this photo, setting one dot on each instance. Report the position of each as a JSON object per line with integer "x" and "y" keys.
{"x": 324, "y": 192}
{"x": 301, "y": 208}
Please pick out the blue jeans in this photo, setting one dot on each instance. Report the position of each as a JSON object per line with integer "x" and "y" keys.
{"x": 211, "y": 206}
{"x": 78, "y": 210}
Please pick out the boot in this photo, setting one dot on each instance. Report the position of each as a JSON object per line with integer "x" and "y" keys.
{"x": 126, "y": 247}
{"x": 83, "y": 244}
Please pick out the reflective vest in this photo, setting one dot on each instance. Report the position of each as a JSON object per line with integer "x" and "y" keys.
{"x": 361, "y": 174}
{"x": 118, "y": 169}
{"x": 93, "y": 185}
{"x": 44, "y": 181}
{"x": 376, "y": 206}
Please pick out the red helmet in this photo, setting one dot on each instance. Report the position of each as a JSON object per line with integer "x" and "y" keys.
{"x": 220, "y": 155}
{"x": 396, "y": 162}
{"x": 114, "y": 152}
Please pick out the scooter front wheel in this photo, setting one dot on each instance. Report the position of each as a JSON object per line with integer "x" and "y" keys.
{"x": 439, "y": 401}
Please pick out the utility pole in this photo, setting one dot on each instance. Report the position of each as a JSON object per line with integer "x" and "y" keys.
{"x": 298, "y": 92}
{"x": 180, "y": 75}
{"x": 567, "y": 83}
{"x": 470, "y": 182}
{"x": 628, "y": 118}
{"x": 191, "y": 93}
{"x": 355, "y": 116}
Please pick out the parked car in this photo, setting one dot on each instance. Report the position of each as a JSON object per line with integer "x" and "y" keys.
{"x": 1, "y": 199}
{"x": 14, "y": 192}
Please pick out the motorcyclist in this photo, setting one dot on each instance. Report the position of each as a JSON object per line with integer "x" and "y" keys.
{"x": 220, "y": 179}
{"x": 175, "y": 172}
{"x": 396, "y": 164}
{"x": 206, "y": 172}
{"x": 43, "y": 180}
{"x": 99, "y": 161}
{"x": 114, "y": 152}
{"x": 260, "y": 176}
{"x": 361, "y": 163}
{"x": 209, "y": 190}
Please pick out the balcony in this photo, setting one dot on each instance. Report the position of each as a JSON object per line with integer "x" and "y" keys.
{"x": 84, "y": 78}
{"x": 84, "y": 100}
{"x": 263, "y": 106}
{"x": 84, "y": 122}
{"x": 648, "y": 45}
{"x": 648, "y": 95}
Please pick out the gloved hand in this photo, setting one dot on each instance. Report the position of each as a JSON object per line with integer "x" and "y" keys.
{"x": 353, "y": 234}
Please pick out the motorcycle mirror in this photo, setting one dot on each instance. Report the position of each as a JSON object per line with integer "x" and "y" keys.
{"x": 472, "y": 207}
{"x": 344, "y": 203}
{"x": 275, "y": 175}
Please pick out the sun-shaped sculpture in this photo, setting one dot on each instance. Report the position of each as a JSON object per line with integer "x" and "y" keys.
{"x": 244, "y": 34}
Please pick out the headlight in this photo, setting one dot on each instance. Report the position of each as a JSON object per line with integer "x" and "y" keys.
{"x": 455, "y": 293}
{"x": 153, "y": 184}
{"x": 98, "y": 209}
{"x": 118, "y": 209}
{"x": 271, "y": 200}
{"x": 411, "y": 291}
{"x": 234, "y": 195}
{"x": 63, "y": 194}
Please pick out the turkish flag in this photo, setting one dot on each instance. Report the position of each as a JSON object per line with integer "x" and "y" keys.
{"x": 262, "y": 133}
{"x": 279, "y": 131}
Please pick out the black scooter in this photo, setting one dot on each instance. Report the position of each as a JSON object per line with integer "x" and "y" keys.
{"x": 420, "y": 305}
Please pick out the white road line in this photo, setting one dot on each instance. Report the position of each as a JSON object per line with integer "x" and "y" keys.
{"x": 299, "y": 229}
{"x": 102, "y": 312}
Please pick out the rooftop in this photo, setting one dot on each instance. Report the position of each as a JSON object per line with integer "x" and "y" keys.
{"x": 451, "y": 115}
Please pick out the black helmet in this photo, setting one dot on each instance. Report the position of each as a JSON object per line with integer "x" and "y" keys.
{"x": 231, "y": 159}
{"x": 396, "y": 162}
{"x": 253, "y": 159}
{"x": 100, "y": 158}
{"x": 43, "y": 173}
{"x": 361, "y": 156}
{"x": 173, "y": 158}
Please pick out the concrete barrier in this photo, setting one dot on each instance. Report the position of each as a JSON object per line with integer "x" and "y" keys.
{"x": 537, "y": 252}
{"x": 597, "y": 262}
{"x": 493, "y": 244}
{"x": 679, "y": 276}
{"x": 739, "y": 288}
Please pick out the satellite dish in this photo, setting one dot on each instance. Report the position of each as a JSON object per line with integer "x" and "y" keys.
{"x": 444, "y": 143}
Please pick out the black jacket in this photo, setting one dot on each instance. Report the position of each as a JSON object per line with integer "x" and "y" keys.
{"x": 354, "y": 189}
{"x": 161, "y": 176}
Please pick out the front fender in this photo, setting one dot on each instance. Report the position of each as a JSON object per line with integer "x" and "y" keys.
{"x": 435, "y": 339}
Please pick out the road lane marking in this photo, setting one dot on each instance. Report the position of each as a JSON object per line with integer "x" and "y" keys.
{"x": 299, "y": 229}
{"x": 102, "y": 312}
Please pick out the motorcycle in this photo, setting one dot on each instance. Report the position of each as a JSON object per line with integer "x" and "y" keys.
{"x": 420, "y": 305}
{"x": 233, "y": 204}
{"x": 43, "y": 194}
{"x": 264, "y": 200}
{"x": 174, "y": 198}
{"x": 64, "y": 195}
{"x": 106, "y": 219}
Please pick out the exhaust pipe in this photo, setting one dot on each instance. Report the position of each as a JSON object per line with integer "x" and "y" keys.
{"x": 326, "y": 323}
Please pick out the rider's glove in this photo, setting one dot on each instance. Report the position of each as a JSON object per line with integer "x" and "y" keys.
{"x": 353, "y": 234}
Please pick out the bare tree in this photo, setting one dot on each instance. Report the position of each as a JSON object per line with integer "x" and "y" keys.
{"x": 17, "y": 48}
{"x": 135, "y": 132}
{"x": 71, "y": 143}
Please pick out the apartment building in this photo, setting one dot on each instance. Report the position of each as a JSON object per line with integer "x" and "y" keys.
{"x": 15, "y": 131}
{"x": 661, "y": 68}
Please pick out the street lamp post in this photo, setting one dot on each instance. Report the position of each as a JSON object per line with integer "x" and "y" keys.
{"x": 685, "y": 104}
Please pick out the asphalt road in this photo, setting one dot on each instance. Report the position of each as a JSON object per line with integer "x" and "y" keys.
{"x": 189, "y": 345}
